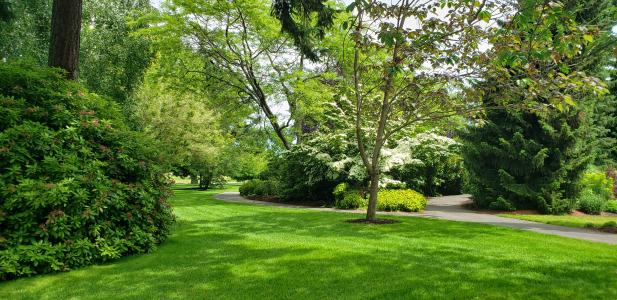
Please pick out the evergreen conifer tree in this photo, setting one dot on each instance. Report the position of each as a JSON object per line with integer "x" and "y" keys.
{"x": 525, "y": 159}
{"x": 520, "y": 158}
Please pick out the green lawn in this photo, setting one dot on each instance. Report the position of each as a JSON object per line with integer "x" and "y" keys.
{"x": 235, "y": 251}
{"x": 567, "y": 220}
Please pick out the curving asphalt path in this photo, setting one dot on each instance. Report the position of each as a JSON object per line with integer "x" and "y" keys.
{"x": 450, "y": 208}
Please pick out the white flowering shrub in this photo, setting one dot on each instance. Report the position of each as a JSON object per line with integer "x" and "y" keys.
{"x": 310, "y": 171}
{"x": 429, "y": 163}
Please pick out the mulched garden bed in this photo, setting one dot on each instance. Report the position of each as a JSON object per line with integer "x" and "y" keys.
{"x": 376, "y": 222}
{"x": 607, "y": 229}
{"x": 277, "y": 200}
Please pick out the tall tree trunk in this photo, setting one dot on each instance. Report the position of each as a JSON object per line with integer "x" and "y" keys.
{"x": 64, "y": 41}
{"x": 194, "y": 179}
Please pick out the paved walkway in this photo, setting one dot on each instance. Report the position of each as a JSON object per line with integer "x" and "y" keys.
{"x": 450, "y": 208}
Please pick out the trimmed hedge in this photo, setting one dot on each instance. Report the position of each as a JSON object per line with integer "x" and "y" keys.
{"x": 77, "y": 187}
{"x": 400, "y": 200}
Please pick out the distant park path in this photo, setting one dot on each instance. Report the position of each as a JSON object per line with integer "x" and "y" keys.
{"x": 450, "y": 208}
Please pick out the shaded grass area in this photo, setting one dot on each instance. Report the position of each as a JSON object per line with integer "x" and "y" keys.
{"x": 225, "y": 250}
{"x": 565, "y": 220}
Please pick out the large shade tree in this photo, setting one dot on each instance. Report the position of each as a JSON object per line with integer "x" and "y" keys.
{"x": 246, "y": 59}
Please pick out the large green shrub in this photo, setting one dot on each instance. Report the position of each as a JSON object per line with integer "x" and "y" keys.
{"x": 400, "y": 200}
{"x": 76, "y": 186}
{"x": 590, "y": 202}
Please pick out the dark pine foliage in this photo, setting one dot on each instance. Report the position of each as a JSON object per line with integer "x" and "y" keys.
{"x": 304, "y": 21}
{"x": 531, "y": 160}
{"x": 77, "y": 187}
{"x": 606, "y": 121}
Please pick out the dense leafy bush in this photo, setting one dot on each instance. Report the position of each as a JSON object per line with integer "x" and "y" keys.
{"x": 502, "y": 204}
{"x": 590, "y": 202}
{"x": 611, "y": 206}
{"x": 599, "y": 183}
{"x": 435, "y": 168}
{"x": 258, "y": 187}
{"x": 351, "y": 200}
{"x": 400, "y": 200}
{"x": 76, "y": 186}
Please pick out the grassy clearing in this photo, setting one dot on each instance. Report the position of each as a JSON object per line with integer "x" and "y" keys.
{"x": 566, "y": 220}
{"x": 235, "y": 251}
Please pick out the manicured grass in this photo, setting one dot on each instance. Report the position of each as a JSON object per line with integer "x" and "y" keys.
{"x": 236, "y": 251}
{"x": 567, "y": 220}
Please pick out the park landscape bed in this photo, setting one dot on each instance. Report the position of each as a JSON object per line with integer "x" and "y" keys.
{"x": 222, "y": 250}
{"x": 604, "y": 223}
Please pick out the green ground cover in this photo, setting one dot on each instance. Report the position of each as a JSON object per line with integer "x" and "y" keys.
{"x": 224, "y": 250}
{"x": 565, "y": 220}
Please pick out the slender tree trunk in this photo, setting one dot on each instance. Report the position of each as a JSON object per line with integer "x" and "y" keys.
{"x": 64, "y": 41}
{"x": 384, "y": 112}
{"x": 372, "y": 202}
{"x": 194, "y": 179}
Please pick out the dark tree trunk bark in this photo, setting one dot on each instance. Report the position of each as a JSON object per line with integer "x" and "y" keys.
{"x": 194, "y": 179}
{"x": 64, "y": 41}
{"x": 205, "y": 179}
{"x": 371, "y": 211}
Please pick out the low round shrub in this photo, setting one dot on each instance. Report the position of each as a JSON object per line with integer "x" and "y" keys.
{"x": 258, "y": 187}
{"x": 247, "y": 188}
{"x": 610, "y": 224}
{"x": 590, "y": 203}
{"x": 599, "y": 183}
{"x": 590, "y": 225}
{"x": 611, "y": 206}
{"x": 400, "y": 200}
{"x": 350, "y": 200}
{"x": 77, "y": 187}
{"x": 502, "y": 204}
